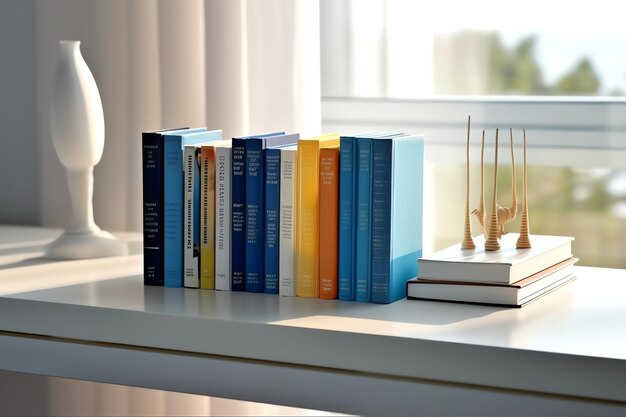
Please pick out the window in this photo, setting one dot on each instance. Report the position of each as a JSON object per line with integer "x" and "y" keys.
{"x": 396, "y": 65}
{"x": 408, "y": 49}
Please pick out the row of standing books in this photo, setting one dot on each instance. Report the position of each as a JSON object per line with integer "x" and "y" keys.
{"x": 329, "y": 217}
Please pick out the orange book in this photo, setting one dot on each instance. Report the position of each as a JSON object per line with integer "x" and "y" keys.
{"x": 329, "y": 222}
{"x": 307, "y": 213}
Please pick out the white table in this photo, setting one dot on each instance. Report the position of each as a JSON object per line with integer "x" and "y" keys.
{"x": 94, "y": 320}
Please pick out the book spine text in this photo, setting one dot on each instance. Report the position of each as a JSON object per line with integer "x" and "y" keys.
{"x": 288, "y": 173}
{"x": 223, "y": 207}
{"x": 238, "y": 213}
{"x": 329, "y": 207}
{"x": 272, "y": 213}
{"x": 152, "y": 152}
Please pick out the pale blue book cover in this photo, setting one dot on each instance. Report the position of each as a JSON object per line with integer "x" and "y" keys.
{"x": 173, "y": 196}
{"x": 398, "y": 236}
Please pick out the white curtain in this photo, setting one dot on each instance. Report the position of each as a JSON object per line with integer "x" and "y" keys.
{"x": 241, "y": 66}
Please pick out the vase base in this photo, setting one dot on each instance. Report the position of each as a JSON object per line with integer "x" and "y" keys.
{"x": 98, "y": 244}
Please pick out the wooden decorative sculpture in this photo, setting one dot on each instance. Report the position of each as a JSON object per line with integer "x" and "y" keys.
{"x": 468, "y": 242}
{"x": 493, "y": 227}
{"x": 523, "y": 242}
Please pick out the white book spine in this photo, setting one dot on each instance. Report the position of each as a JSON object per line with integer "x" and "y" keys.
{"x": 190, "y": 262}
{"x": 223, "y": 157}
{"x": 287, "y": 258}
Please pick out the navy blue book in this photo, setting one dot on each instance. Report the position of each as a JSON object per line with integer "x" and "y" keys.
{"x": 255, "y": 205}
{"x": 272, "y": 215}
{"x": 238, "y": 222}
{"x": 153, "y": 219}
{"x": 347, "y": 236}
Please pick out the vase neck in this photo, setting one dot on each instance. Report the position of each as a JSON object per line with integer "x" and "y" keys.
{"x": 69, "y": 47}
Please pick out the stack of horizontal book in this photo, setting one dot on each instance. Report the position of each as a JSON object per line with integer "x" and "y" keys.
{"x": 508, "y": 277}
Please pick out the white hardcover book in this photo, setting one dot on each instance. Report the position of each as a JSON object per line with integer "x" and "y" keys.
{"x": 191, "y": 255}
{"x": 505, "y": 266}
{"x": 287, "y": 245}
{"x": 223, "y": 155}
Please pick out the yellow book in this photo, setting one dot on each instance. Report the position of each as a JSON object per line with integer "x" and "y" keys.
{"x": 207, "y": 214}
{"x": 307, "y": 213}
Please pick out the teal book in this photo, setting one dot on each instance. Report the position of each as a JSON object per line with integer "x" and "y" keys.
{"x": 363, "y": 170}
{"x": 397, "y": 215}
{"x": 363, "y": 209}
{"x": 173, "y": 195}
{"x": 347, "y": 236}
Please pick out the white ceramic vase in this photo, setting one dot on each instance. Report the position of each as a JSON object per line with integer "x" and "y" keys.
{"x": 77, "y": 128}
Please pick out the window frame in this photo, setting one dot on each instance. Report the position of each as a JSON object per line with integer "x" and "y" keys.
{"x": 580, "y": 132}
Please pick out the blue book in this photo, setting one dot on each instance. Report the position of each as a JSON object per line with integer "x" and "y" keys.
{"x": 238, "y": 213}
{"x": 363, "y": 219}
{"x": 347, "y": 236}
{"x": 153, "y": 221}
{"x": 152, "y": 152}
{"x": 272, "y": 213}
{"x": 397, "y": 207}
{"x": 173, "y": 195}
{"x": 255, "y": 205}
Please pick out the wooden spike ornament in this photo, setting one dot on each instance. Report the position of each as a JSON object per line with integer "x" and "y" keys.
{"x": 523, "y": 242}
{"x": 480, "y": 211}
{"x": 493, "y": 225}
{"x": 508, "y": 214}
{"x": 468, "y": 242}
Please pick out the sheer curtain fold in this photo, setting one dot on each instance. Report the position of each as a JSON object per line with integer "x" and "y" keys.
{"x": 241, "y": 66}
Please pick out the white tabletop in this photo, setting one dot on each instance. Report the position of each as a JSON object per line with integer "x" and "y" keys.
{"x": 571, "y": 342}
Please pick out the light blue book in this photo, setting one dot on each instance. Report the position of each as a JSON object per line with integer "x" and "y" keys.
{"x": 173, "y": 195}
{"x": 397, "y": 207}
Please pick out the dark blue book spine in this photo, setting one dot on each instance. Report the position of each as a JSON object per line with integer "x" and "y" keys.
{"x": 381, "y": 220}
{"x": 152, "y": 164}
{"x": 238, "y": 224}
{"x": 364, "y": 219}
{"x": 255, "y": 242}
{"x": 173, "y": 211}
{"x": 272, "y": 216}
{"x": 347, "y": 230}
